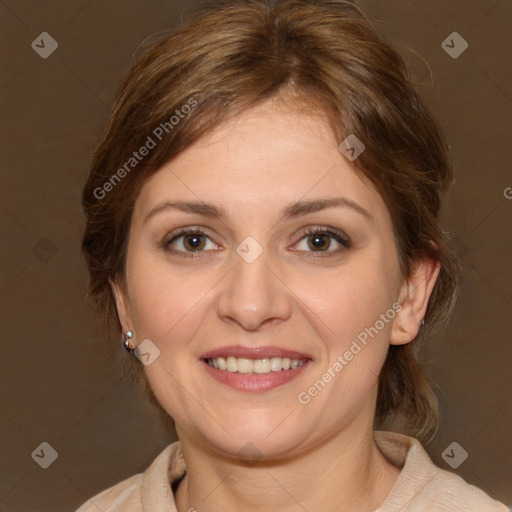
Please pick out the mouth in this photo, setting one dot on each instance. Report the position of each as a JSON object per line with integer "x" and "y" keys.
{"x": 254, "y": 369}
{"x": 254, "y": 366}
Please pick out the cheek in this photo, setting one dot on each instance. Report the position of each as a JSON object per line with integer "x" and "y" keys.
{"x": 169, "y": 303}
{"x": 357, "y": 309}
{"x": 356, "y": 297}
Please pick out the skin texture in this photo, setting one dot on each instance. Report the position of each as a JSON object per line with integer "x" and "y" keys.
{"x": 293, "y": 296}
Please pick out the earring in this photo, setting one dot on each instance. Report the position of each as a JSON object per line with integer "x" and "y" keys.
{"x": 422, "y": 323}
{"x": 125, "y": 340}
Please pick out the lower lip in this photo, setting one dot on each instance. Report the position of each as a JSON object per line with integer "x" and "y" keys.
{"x": 256, "y": 381}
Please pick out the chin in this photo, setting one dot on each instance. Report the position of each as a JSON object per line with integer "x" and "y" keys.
{"x": 261, "y": 438}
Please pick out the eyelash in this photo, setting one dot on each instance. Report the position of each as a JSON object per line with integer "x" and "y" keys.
{"x": 342, "y": 239}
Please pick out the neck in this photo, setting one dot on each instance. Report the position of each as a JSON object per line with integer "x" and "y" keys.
{"x": 344, "y": 473}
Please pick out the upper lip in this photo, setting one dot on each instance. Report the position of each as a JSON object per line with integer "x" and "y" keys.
{"x": 253, "y": 353}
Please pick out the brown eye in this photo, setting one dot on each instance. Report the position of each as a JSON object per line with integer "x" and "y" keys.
{"x": 194, "y": 242}
{"x": 188, "y": 240}
{"x": 320, "y": 240}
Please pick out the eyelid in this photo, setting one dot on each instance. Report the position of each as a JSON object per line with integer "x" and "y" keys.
{"x": 339, "y": 236}
{"x": 328, "y": 230}
{"x": 333, "y": 233}
{"x": 182, "y": 232}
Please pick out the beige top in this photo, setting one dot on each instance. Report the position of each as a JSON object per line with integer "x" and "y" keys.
{"x": 421, "y": 486}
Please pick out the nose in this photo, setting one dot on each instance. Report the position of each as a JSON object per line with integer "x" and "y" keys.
{"x": 253, "y": 295}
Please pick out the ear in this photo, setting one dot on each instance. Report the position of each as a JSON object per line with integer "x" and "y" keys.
{"x": 122, "y": 304}
{"x": 414, "y": 295}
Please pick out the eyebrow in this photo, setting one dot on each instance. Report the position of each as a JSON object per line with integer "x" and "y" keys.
{"x": 292, "y": 211}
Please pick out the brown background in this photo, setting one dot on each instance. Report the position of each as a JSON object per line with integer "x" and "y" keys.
{"x": 59, "y": 383}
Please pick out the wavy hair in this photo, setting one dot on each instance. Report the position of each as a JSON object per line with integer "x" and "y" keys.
{"x": 324, "y": 56}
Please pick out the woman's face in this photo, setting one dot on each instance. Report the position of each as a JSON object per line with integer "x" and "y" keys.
{"x": 255, "y": 280}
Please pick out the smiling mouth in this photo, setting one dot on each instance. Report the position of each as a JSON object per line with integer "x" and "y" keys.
{"x": 255, "y": 366}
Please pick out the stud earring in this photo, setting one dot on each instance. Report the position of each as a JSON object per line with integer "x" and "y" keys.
{"x": 125, "y": 340}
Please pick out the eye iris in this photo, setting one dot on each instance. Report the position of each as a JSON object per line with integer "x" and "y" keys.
{"x": 317, "y": 241}
{"x": 195, "y": 241}
{"x": 196, "y": 244}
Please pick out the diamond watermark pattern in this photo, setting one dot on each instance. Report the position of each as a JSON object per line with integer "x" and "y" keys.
{"x": 454, "y": 45}
{"x": 249, "y": 250}
{"x": 352, "y": 147}
{"x": 454, "y": 455}
{"x": 44, "y": 45}
{"x": 44, "y": 249}
{"x": 147, "y": 352}
{"x": 45, "y": 455}
{"x": 249, "y": 454}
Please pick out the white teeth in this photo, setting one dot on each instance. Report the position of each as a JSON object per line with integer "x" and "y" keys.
{"x": 264, "y": 365}
{"x": 232, "y": 364}
{"x": 276, "y": 364}
{"x": 245, "y": 365}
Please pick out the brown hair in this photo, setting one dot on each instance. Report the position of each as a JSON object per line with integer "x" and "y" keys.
{"x": 325, "y": 55}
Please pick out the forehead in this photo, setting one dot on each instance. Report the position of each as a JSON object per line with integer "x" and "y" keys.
{"x": 268, "y": 157}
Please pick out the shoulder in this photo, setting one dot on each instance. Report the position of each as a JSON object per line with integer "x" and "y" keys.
{"x": 126, "y": 494}
{"x": 422, "y": 486}
{"x": 448, "y": 491}
{"x": 150, "y": 490}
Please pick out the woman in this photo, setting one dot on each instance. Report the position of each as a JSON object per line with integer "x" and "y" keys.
{"x": 263, "y": 229}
